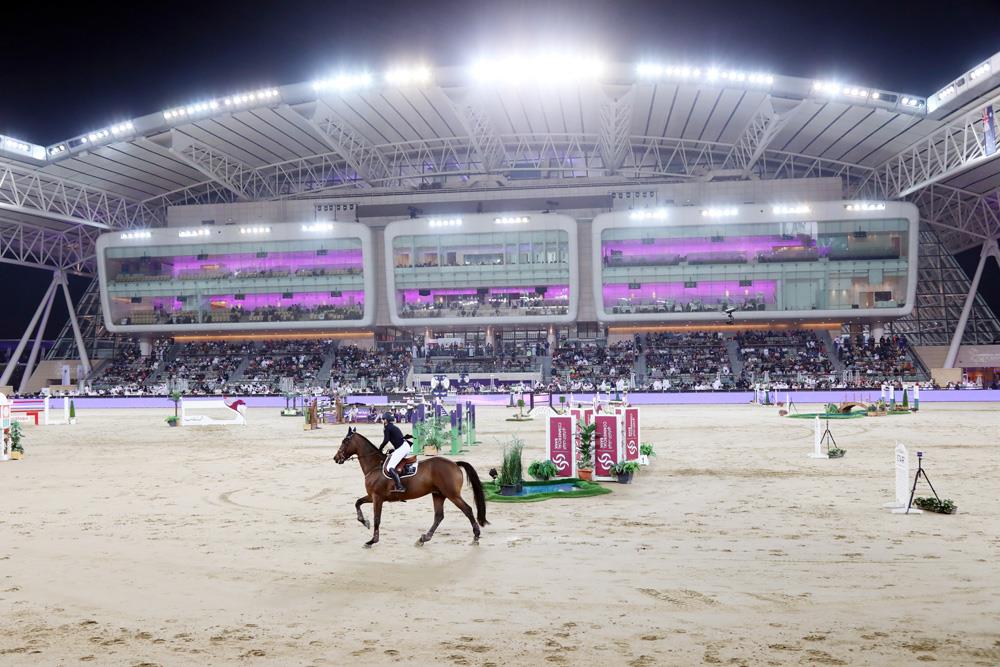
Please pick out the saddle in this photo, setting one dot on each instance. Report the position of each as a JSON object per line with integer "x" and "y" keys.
{"x": 406, "y": 468}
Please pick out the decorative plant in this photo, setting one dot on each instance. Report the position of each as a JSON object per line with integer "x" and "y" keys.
{"x": 72, "y": 412}
{"x": 15, "y": 437}
{"x": 906, "y": 400}
{"x": 832, "y": 409}
{"x": 585, "y": 451}
{"x": 520, "y": 407}
{"x": 945, "y": 506}
{"x": 175, "y": 396}
{"x": 511, "y": 473}
{"x": 646, "y": 449}
{"x": 835, "y": 452}
{"x": 435, "y": 433}
{"x": 543, "y": 470}
{"x": 624, "y": 467}
{"x": 172, "y": 420}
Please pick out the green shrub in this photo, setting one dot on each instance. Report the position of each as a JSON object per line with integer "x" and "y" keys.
{"x": 646, "y": 449}
{"x": 543, "y": 470}
{"x": 945, "y": 506}
{"x": 16, "y": 434}
{"x": 511, "y": 473}
{"x": 623, "y": 467}
{"x": 585, "y": 449}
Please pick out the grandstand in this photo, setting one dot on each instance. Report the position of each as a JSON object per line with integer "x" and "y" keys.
{"x": 557, "y": 222}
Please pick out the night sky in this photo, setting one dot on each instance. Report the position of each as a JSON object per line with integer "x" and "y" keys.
{"x": 73, "y": 71}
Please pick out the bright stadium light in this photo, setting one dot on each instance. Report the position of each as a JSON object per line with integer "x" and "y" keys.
{"x": 12, "y": 145}
{"x": 719, "y": 212}
{"x": 193, "y": 233}
{"x": 408, "y": 76}
{"x": 512, "y": 220}
{"x": 255, "y": 230}
{"x": 648, "y": 214}
{"x": 647, "y": 70}
{"x": 251, "y": 98}
{"x": 790, "y": 209}
{"x": 343, "y": 83}
{"x": 57, "y": 150}
{"x": 318, "y": 227}
{"x": 444, "y": 222}
{"x": 136, "y": 234}
{"x": 979, "y": 71}
{"x": 543, "y": 68}
{"x": 866, "y": 206}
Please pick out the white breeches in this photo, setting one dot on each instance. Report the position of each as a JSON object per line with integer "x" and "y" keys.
{"x": 398, "y": 454}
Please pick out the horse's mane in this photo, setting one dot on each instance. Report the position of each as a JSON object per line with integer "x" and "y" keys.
{"x": 369, "y": 443}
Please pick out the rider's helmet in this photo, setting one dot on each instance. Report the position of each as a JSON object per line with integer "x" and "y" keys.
{"x": 387, "y": 417}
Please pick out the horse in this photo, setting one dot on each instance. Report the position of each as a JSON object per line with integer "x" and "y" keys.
{"x": 440, "y": 477}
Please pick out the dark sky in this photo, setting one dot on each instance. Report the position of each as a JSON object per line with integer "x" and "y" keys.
{"x": 78, "y": 69}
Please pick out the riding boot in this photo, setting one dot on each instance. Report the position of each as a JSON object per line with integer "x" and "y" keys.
{"x": 399, "y": 483}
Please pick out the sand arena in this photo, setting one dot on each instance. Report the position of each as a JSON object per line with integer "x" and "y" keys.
{"x": 124, "y": 542}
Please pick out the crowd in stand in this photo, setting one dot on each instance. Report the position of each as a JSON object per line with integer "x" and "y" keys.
{"x": 687, "y": 361}
{"x": 876, "y": 359}
{"x": 789, "y": 359}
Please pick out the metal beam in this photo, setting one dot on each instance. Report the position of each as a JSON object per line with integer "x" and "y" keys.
{"x": 19, "y": 350}
{"x": 214, "y": 164}
{"x": 489, "y": 149}
{"x": 989, "y": 250}
{"x": 361, "y": 155}
{"x": 37, "y": 193}
{"x": 764, "y": 125}
{"x": 34, "y": 246}
{"x": 942, "y": 154}
{"x": 616, "y": 123}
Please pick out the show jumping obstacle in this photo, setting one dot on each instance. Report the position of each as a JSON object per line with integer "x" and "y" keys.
{"x": 4, "y": 427}
{"x": 616, "y": 439}
{"x": 37, "y": 409}
{"x": 236, "y": 409}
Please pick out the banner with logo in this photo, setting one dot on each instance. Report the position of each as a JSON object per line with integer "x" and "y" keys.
{"x": 607, "y": 449}
{"x": 588, "y": 416}
{"x": 560, "y": 447}
{"x": 630, "y": 439}
{"x": 989, "y": 130}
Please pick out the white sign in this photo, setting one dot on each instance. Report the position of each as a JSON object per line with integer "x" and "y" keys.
{"x": 902, "y": 489}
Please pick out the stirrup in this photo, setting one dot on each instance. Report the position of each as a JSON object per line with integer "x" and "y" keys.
{"x": 401, "y": 489}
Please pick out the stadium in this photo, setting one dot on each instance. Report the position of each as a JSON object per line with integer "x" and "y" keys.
{"x": 710, "y": 244}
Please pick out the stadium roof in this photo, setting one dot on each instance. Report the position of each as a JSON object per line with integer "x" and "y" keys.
{"x": 522, "y": 120}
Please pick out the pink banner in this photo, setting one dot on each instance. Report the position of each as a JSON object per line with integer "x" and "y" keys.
{"x": 588, "y": 416}
{"x": 560, "y": 445}
{"x": 576, "y": 415}
{"x": 606, "y": 450}
{"x": 631, "y": 428}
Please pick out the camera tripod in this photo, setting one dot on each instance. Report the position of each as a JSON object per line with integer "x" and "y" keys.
{"x": 916, "y": 478}
{"x": 827, "y": 438}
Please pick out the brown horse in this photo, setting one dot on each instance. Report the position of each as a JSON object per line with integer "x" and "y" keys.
{"x": 440, "y": 477}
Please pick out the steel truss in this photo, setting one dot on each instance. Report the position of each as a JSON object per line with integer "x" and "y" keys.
{"x": 25, "y": 190}
{"x": 70, "y": 250}
{"x": 947, "y": 151}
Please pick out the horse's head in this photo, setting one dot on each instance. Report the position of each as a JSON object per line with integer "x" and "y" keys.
{"x": 348, "y": 446}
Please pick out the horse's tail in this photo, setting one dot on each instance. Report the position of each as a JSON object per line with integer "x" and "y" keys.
{"x": 477, "y": 491}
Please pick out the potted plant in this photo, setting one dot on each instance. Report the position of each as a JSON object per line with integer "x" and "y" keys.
{"x": 585, "y": 450}
{"x": 174, "y": 396}
{"x": 835, "y": 452}
{"x": 906, "y": 401}
{"x": 435, "y": 436}
{"x": 945, "y": 506}
{"x": 645, "y": 452}
{"x": 624, "y": 470}
{"x": 543, "y": 471}
{"x": 510, "y": 476}
{"x": 173, "y": 420}
{"x": 16, "y": 448}
{"x": 72, "y": 412}
{"x": 520, "y": 408}
{"x": 562, "y": 404}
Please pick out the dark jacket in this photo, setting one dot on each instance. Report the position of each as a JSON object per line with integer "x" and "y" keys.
{"x": 392, "y": 434}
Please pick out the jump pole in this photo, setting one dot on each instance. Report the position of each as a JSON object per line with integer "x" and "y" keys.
{"x": 916, "y": 397}
{"x": 902, "y": 485}
{"x": 817, "y": 452}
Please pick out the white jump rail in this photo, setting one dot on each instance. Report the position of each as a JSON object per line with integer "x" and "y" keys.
{"x": 236, "y": 409}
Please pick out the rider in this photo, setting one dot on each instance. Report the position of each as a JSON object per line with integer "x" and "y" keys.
{"x": 401, "y": 448}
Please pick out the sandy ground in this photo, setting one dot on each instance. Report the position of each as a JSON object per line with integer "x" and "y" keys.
{"x": 124, "y": 542}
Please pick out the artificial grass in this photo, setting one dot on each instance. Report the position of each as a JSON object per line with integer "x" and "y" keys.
{"x": 827, "y": 415}
{"x": 583, "y": 490}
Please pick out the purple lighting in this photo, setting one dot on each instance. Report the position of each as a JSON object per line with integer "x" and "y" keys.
{"x": 706, "y": 290}
{"x": 291, "y": 261}
{"x": 413, "y": 296}
{"x": 748, "y": 244}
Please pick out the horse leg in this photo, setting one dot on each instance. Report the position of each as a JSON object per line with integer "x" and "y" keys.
{"x": 361, "y": 517}
{"x": 438, "y": 516}
{"x": 377, "y": 504}
{"x": 467, "y": 511}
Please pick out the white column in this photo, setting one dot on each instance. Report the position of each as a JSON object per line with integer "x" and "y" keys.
{"x": 37, "y": 345}
{"x": 12, "y": 364}
{"x": 81, "y": 348}
{"x": 878, "y": 330}
{"x": 145, "y": 345}
{"x": 989, "y": 250}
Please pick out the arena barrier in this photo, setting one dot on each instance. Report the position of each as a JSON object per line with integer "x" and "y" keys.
{"x": 237, "y": 410}
{"x": 38, "y": 409}
{"x": 560, "y": 444}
